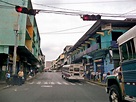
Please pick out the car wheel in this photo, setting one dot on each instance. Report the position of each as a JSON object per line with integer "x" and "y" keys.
{"x": 114, "y": 95}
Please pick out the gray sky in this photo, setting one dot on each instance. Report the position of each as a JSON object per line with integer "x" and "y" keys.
{"x": 59, "y": 30}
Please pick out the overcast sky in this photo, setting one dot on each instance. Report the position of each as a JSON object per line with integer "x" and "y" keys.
{"x": 58, "y": 30}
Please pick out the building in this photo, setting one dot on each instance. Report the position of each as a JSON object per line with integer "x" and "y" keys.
{"x": 97, "y": 49}
{"x": 48, "y": 64}
{"x": 19, "y": 30}
{"x": 66, "y": 50}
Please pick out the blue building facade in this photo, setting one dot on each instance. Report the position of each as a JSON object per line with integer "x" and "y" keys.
{"x": 97, "y": 49}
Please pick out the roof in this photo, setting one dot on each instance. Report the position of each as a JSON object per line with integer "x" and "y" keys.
{"x": 97, "y": 27}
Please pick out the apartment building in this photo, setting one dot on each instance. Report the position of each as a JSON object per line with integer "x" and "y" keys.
{"x": 20, "y": 30}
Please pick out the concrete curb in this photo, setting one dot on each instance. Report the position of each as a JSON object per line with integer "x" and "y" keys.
{"x": 98, "y": 83}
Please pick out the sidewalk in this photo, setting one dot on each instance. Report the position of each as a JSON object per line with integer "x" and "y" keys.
{"x": 3, "y": 84}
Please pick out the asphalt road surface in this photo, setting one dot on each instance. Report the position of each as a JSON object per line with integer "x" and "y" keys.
{"x": 50, "y": 87}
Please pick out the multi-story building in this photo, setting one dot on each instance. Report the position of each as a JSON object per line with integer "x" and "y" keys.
{"x": 67, "y": 54}
{"x": 59, "y": 61}
{"x": 97, "y": 49}
{"x": 19, "y": 30}
{"x": 53, "y": 64}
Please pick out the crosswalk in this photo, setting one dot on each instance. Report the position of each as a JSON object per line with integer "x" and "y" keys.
{"x": 53, "y": 83}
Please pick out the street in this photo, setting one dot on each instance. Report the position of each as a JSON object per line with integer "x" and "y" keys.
{"x": 50, "y": 87}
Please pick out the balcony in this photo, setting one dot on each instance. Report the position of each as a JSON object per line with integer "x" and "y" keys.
{"x": 87, "y": 51}
{"x": 114, "y": 44}
{"x": 92, "y": 48}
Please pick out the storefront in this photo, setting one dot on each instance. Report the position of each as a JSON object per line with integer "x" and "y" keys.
{"x": 99, "y": 63}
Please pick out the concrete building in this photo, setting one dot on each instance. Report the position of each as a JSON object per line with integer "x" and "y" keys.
{"x": 97, "y": 49}
{"x": 21, "y": 30}
{"x": 66, "y": 50}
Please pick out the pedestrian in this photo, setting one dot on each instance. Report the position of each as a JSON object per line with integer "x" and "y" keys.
{"x": 20, "y": 77}
{"x": 8, "y": 78}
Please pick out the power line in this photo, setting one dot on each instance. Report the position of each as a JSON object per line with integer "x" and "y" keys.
{"x": 62, "y": 33}
{"x": 6, "y": 7}
{"x": 70, "y": 12}
{"x": 68, "y": 29}
{"x": 106, "y": 1}
{"x": 61, "y": 8}
{"x": 7, "y": 3}
{"x": 77, "y": 12}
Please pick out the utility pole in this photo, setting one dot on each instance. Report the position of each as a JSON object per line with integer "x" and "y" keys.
{"x": 16, "y": 29}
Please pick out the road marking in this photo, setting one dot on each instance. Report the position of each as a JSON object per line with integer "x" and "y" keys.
{"x": 46, "y": 86}
{"x": 80, "y": 84}
{"x": 65, "y": 83}
{"x": 45, "y": 82}
{"x": 38, "y": 82}
{"x": 31, "y": 83}
{"x": 59, "y": 83}
{"x": 72, "y": 84}
{"x": 52, "y": 83}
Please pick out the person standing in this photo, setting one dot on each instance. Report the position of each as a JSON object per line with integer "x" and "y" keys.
{"x": 8, "y": 78}
{"x": 20, "y": 75}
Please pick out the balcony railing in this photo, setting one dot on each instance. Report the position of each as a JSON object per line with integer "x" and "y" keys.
{"x": 114, "y": 44}
{"x": 92, "y": 48}
{"x": 108, "y": 44}
{"x": 87, "y": 51}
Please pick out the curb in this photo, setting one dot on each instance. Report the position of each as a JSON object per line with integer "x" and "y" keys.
{"x": 4, "y": 87}
{"x": 98, "y": 83}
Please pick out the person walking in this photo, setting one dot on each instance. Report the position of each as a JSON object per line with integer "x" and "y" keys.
{"x": 20, "y": 76}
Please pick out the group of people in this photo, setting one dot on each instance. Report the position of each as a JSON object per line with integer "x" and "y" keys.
{"x": 20, "y": 78}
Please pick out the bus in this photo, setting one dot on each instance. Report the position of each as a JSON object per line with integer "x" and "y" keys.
{"x": 122, "y": 85}
{"x": 73, "y": 72}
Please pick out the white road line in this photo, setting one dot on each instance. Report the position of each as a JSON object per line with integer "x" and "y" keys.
{"x": 46, "y": 86}
{"x": 59, "y": 83}
{"x": 65, "y": 83}
{"x": 52, "y": 83}
{"x": 38, "y": 82}
{"x": 45, "y": 82}
{"x": 31, "y": 83}
{"x": 80, "y": 84}
{"x": 72, "y": 84}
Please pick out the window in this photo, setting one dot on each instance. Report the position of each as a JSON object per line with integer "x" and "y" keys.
{"x": 76, "y": 69}
{"x": 128, "y": 50}
{"x": 71, "y": 69}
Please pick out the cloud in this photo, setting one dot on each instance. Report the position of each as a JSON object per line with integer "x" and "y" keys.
{"x": 52, "y": 44}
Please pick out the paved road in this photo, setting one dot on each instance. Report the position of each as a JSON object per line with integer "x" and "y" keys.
{"x": 50, "y": 87}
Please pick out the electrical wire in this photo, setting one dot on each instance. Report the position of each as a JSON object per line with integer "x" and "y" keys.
{"x": 70, "y": 12}
{"x": 78, "y": 12}
{"x": 62, "y": 33}
{"x": 68, "y": 29}
{"x": 7, "y": 3}
{"x": 6, "y": 7}
{"x": 61, "y": 8}
{"x": 106, "y": 1}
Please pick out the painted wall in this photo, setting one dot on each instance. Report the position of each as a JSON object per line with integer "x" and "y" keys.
{"x": 106, "y": 40}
